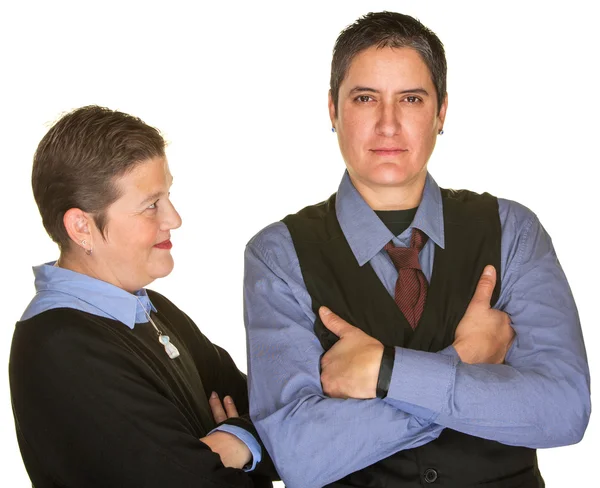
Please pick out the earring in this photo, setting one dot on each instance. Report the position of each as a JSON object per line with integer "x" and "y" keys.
{"x": 87, "y": 251}
{"x": 333, "y": 129}
{"x": 441, "y": 132}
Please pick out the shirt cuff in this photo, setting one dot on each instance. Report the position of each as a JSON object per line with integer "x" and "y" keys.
{"x": 423, "y": 379}
{"x": 450, "y": 352}
{"x": 247, "y": 438}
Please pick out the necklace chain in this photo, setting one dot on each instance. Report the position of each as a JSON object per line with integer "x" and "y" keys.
{"x": 163, "y": 339}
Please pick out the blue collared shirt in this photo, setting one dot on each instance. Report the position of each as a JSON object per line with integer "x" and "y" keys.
{"x": 62, "y": 288}
{"x": 540, "y": 397}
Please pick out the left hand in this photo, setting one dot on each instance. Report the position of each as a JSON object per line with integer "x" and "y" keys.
{"x": 232, "y": 451}
{"x": 351, "y": 367}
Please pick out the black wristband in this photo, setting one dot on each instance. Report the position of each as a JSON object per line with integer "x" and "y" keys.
{"x": 385, "y": 371}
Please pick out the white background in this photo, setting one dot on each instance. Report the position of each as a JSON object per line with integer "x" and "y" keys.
{"x": 240, "y": 90}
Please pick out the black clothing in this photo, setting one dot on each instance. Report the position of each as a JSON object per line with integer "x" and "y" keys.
{"x": 98, "y": 404}
{"x": 397, "y": 220}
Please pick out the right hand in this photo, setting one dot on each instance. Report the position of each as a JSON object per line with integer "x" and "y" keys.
{"x": 483, "y": 335}
{"x": 232, "y": 451}
{"x": 350, "y": 368}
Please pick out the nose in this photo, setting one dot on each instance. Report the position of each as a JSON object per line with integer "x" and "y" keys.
{"x": 171, "y": 218}
{"x": 388, "y": 122}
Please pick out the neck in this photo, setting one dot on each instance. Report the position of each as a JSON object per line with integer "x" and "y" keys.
{"x": 71, "y": 262}
{"x": 85, "y": 265}
{"x": 392, "y": 197}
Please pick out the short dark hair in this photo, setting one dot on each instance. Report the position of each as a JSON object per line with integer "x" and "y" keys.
{"x": 78, "y": 160}
{"x": 388, "y": 29}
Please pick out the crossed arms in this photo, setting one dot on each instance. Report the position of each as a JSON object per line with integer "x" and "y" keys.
{"x": 539, "y": 397}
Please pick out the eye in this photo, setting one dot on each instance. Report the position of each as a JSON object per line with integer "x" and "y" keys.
{"x": 411, "y": 99}
{"x": 152, "y": 206}
{"x": 364, "y": 98}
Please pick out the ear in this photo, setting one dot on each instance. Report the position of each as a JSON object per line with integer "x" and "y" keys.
{"x": 331, "y": 106}
{"x": 78, "y": 225}
{"x": 442, "y": 114}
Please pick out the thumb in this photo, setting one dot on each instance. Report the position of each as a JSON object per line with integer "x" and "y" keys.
{"x": 334, "y": 323}
{"x": 485, "y": 287}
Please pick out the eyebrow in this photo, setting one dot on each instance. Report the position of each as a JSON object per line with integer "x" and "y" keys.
{"x": 361, "y": 89}
{"x": 156, "y": 195}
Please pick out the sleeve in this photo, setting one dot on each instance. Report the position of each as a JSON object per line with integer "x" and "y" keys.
{"x": 93, "y": 417}
{"x": 314, "y": 440}
{"x": 247, "y": 438}
{"x": 540, "y": 397}
{"x": 220, "y": 374}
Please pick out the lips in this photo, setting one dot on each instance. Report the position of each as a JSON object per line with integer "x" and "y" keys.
{"x": 388, "y": 151}
{"x": 164, "y": 244}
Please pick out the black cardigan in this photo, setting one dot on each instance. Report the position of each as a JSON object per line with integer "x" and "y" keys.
{"x": 97, "y": 404}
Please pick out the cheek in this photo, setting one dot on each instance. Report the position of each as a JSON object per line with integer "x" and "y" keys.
{"x": 137, "y": 237}
{"x": 421, "y": 131}
{"x": 356, "y": 130}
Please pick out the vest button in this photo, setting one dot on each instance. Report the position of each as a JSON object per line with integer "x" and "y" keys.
{"x": 430, "y": 475}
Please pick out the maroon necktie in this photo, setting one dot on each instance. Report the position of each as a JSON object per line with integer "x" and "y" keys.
{"x": 411, "y": 286}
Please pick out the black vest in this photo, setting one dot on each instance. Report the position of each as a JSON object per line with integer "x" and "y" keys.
{"x": 333, "y": 278}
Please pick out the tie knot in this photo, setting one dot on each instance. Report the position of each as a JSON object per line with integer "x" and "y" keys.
{"x": 418, "y": 239}
{"x": 407, "y": 257}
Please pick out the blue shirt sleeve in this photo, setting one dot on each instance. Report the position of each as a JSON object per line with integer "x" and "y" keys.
{"x": 540, "y": 397}
{"x": 314, "y": 440}
{"x": 247, "y": 438}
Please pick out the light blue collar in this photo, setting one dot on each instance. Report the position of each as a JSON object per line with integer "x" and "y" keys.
{"x": 62, "y": 288}
{"x": 367, "y": 234}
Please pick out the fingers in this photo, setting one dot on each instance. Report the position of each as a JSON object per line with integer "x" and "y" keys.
{"x": 230, "y": 407}
{"x": 485, "y": 287}
{"x": 334, "y": 323}
{"x": 221, "y": 414}
{"x": 218, "y": 411}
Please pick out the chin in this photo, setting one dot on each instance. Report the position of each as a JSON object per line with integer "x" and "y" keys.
{"x": 390, "y": 174}
{"x": 160, "y": 270}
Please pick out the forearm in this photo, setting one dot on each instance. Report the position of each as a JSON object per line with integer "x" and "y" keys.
{"x": 540, "y": 397}
{"x": 533, "y": 407}
{"x": 316, "y": 440}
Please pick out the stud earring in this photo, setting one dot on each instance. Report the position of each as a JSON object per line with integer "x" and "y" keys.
{"x": 441, "y": 132}
{"x": 333, "y": 129}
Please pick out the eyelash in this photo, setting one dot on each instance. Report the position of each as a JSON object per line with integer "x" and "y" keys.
{"x": 358, "y": 98}
{"x": 416, "y": 99}
{"x": 152, "y": 206}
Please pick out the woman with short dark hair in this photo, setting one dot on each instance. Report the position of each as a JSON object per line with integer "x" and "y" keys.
{"x": 112, "y": 384}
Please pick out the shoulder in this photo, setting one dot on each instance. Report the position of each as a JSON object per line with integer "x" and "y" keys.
{"x": 272, "y": 251}
{"x": 515, "y": 216}
{"x": 525, "y": 242}
{"x": 56, "y": 330}
{"x": 278, "y": 235}
{"x": 56, "y": 325}
{"x": 58, "y": 342}
{"x": 317, "y": 211}
{"x": 45, "y": 300}
{"x": 273, "y": 244}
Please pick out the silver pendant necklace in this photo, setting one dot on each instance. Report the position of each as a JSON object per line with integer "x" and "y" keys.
{"x": 170, "y": 348}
